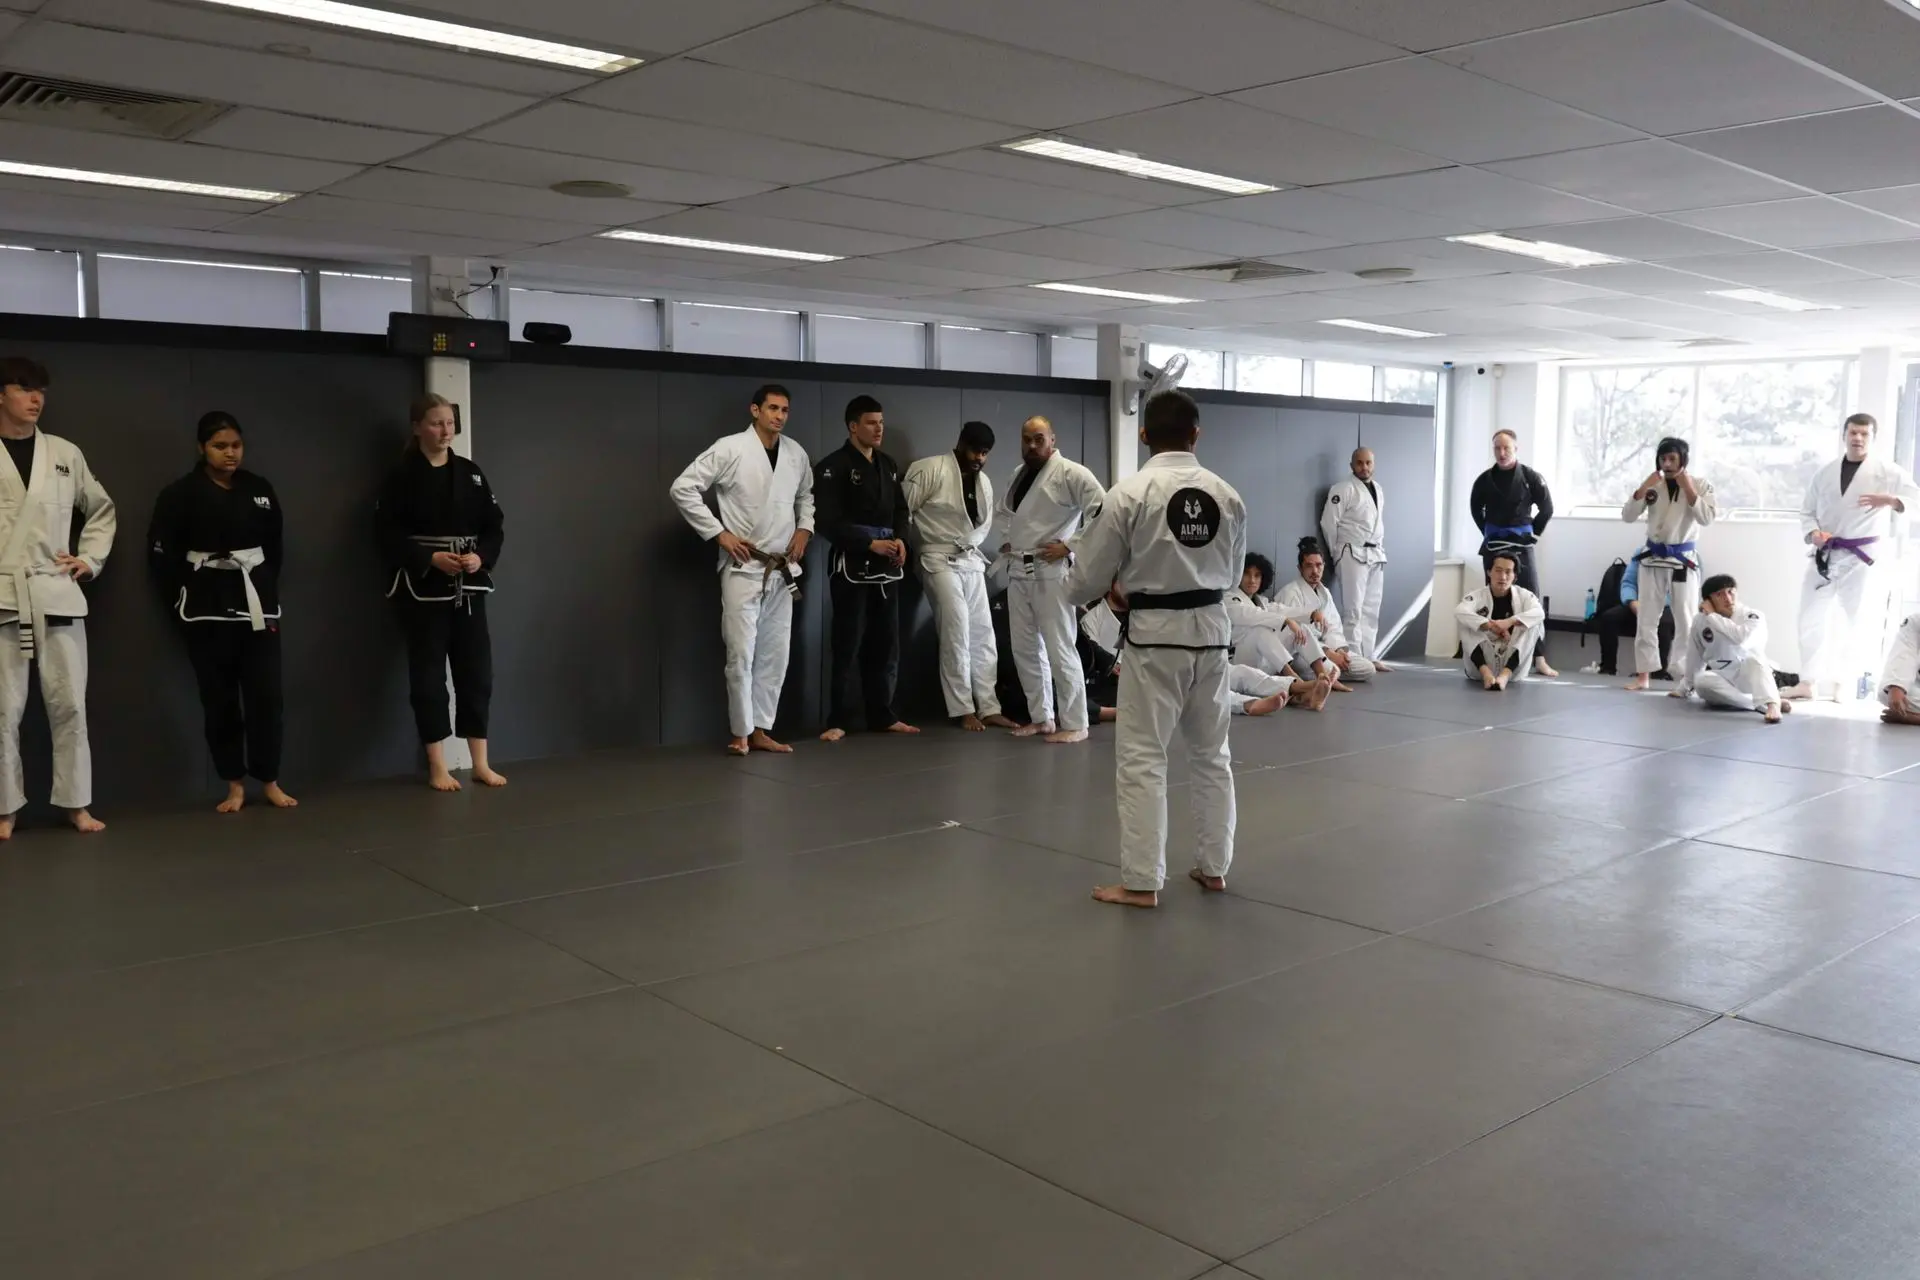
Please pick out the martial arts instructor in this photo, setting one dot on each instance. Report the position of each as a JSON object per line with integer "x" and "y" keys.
{"x": 1172, "y": 538}
{"x": 764, "y": 485}
{"x": 1511, "y": 505}
{"x": 44, "y": 480}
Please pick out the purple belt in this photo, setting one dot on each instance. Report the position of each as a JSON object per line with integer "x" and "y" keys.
{"x": 1823, "y": 555}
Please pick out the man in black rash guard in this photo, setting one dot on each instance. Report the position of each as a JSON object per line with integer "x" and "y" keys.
{"x": 1511, "y": 507}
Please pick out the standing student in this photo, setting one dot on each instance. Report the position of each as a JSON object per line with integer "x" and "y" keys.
{"x": 1727, "y": 654}
{"x": 215, "y": 543}
{"x": 1674, "y": 505}
{"x": 950, "y": 501}
{"x": 1500, "y": 624}
{"x": 764, "y": 484}
{"x": 1050, "y": 499}
{"x": 1308, "y": 601}
{"x": 440, "y": 528}
{"x": 1353, "y": 530}
{"x": 1847, "y": 518}
{"x": 44, "y": 481}
{"x": 1511, "y": 507}
{"x": 862, "y": 513}
{"x": 1173, "y": 539}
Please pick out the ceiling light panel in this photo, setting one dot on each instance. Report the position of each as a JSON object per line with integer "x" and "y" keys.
{"x": 1563, "y": 255}
{"x": 250, "y": 194}
{"x": 1778, "y": 301}
{"x": 1120, "y": 162}
{"x": 720, "y": 246}
{"x": 1097, "y": 292}
{"x": 451, "y": 35}
{"x": 1370, "y": 327}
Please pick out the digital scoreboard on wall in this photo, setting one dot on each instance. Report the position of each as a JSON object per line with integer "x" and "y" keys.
{"x": 455, "y": 337}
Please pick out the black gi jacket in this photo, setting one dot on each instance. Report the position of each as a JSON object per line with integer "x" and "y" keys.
{"x": 422, "y": 500}
{"x": 195, "y": 514}
{"x": 852, "y": 494}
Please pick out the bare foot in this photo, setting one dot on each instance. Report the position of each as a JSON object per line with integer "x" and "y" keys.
{"x": 971, "y": 723}
{"x": 737, "y": 746}
{"x": 1486, "y": 679}
{"x": 1338, "y": 687}
{"x": 833, "y": 735}
{"x": 441, "y": 780}
{"x": 1802, "y": 691}
{"x": 278, "y": 798}
{"x": 1541, "y": 668}
{"x": 1266, "y": 706}
{"x": 1121, "y": 896}
{"x": 1772, "y": 713}
{"x": 1034, "y": 730}
{"x": 1380, "y": 666}
{"x": 901, "y": 726}
{"x": 1311, "y": 694}
{"x": 998, "y": 721}
{"x": 1109, "y": 714}
{"x": 1889, "y": 716}
{"x": 488, "y": 778}
{"x": 1212, "y": 884}
{"x": 1500, "y": 681}
{"x": 1066, "y": 737}
{"x": 764, "y": 741}
{"x": 6, "y": 827}
{"x": 84, "y": 822}
{"x": 1639, "y": 683}
{"x": 236, "y": 799}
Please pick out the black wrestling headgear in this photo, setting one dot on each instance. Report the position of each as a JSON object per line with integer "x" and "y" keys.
{"x": 1672, "y": 444}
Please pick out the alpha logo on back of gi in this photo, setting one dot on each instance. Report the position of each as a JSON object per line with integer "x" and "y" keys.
{"x": 1193, "y": 517}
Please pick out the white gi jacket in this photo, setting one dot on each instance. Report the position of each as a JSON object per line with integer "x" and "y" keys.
{"x": 1478, "y": 608}
{"x": 1352, "y": 525}
{"x": 1716, "y": 643}
{"x": 1840, "y": 514}
{"x": 1062, "y": 499}
{"x": 1172, "y": 526}
{"x": 1300, "y": 602}
{"x": 1672, "y": 520}
{"x": 36, "y": 515}
{"x": 937, "y": 501}
{"x": 1902, "y": 668}
{"x": 1250, "y": 613}
{"x": 764, "y": 505}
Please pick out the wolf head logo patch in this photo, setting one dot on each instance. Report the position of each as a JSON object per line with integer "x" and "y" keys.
{"x": 1193, "y": 517}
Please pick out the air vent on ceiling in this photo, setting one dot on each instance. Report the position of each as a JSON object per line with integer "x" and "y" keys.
{"x": 74, "y": 104}
{"x": 1242, "y": 271}
{"x": 1713, "y": 342}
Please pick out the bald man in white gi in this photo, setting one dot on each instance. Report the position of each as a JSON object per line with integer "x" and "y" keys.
{"x": 1353, "y": 529}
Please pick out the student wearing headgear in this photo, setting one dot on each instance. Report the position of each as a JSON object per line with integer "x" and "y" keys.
{"x": 1675, "y": 506}
{"x": 1727, "y": 654}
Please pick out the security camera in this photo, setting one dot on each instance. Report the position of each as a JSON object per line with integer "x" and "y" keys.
{"x": 1446, "y": 364}
{"x": 1481, "y": 369}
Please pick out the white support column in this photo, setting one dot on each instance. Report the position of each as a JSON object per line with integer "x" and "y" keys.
{"x": 436, "y": 281}
{"x": 1043, "y": 354}
{"x": 807, "y": 345}
{"x": 503, "y": 301}
{"x": 668, "y": 312}
{"x": 1881, "y": 373}
{"x": 1117, "y": 361}
{"x": 310, "y": 299}
{"x": 89, "y": 285}
{"x": 932, "y": 328}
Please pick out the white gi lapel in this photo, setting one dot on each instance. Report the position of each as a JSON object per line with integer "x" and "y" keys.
{"x": 14, "y": 554}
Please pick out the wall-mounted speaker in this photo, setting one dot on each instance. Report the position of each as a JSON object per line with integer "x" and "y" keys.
{"x": 547, "y": 335}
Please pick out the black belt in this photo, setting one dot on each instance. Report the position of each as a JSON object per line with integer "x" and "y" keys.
{"x": 1174, "y": 600}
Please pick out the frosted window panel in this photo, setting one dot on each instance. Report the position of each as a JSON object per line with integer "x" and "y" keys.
{"x": 1205, "y": 369}
{"x": 1335, "y": 381}
{"x": 1075, "y": 357}
{"x": 200, "y": 293}
{"x": 988, "y": 350}
{"x": 1267, "y": 375}
{"x": 40, "y": 282}
{"x": 596, "y": 321}
{"x": 855, "y": 340}
{"x": 702, "y": 329}
{"x": 1409, "y": 386}
{"x": 361, "y": 304}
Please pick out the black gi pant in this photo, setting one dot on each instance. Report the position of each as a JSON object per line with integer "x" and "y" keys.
{"x": 866, "y": 654}
{"x": 1621, "y": 620}
{"x": 442, "y": 635}
{"x": 238, "y": 670}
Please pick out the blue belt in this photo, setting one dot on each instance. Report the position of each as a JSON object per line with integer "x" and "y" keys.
{"x": 871, "y": 532}
{"x": 1681, "y": 551}
{"x": 1507, "y": 531}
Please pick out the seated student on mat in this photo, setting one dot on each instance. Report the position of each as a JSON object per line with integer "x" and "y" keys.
{"x": 1250, "y": 692}
{"x": 1308, "y": 601}
{"x": 1619, "y": 614}
{"x": 1266, "y": 638}
{"x": 1900, "y": 677}
{"x": 1500, "y": 624}
{"x": 1727, "y": 654}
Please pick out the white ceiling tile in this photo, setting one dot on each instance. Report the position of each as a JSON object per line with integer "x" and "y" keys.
{"x": 1900, "y": 259}
{"x": 1430, "y": 259}
{"x": 1335, "y": 217}
{"x": 1900, "y": 296}
{"x": 1460, "y": 116}
{"x": 808, "y": 237}
{"x": 253, "y": 129}
{"x": 1415, "y": 295}
{"x": 1527, "y": 287}
{"x": 1073, "y": 245}
{"x": 1840, "y": 151}
{"x": 1638, "y": 239}
{"x": 1246, "y": 42}
{"x": 438, "y": 191}
{"x": 749, "y": 102}
{"x": 672, "y": 144}
{"x": 808, "y": 204}
{"x": 1435, "y": 24}
{"x": 407, "y": 217}
{"x": 1632, "y": 329}
{"x": 1871, "y": 41}
{"x": 998, "y": 163}
{"x": 644, "y": 261}
{"x": 1663, "y": 68}
{"x": 947, "y": 278}
{"x": 1017, "y": 266}
{"x": 1653, "y": 176}
{"x": 352, "y": 240}
{"x": 836, "y": 47}
{"x": 622, "y": 24}
{"x": 1895, "y": 202}
{"x": 816, "y": 278}
{"x": 1489, "y": 200}
{"x": 1176, "y": 285}
{"x": 1187, "y": 230}
{"x": 1039, "y": 302}
{"x": 152, "y": 158}
{"x": 32, "y": 203}
{"x": 940, "y": 188}
{"x": 1768, "y": 270}
{"x": 1646, "y": 310}
{"x": 251, "y": 78}
{"x": 1228, "y": 138}
{"x": 525, "y": 166}
{"x": 1807, "y": 223}
{"x": 1636, "y": 277}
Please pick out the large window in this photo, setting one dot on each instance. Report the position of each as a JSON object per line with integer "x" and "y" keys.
{"x": 1335, "y": 381}
{"x": 1409, "y": 386}
{"x": 1205, "y": 369}
{"x": 1758, "y": 431}
{"x": 200, "y": 292}
{"x": 39, "y": 281}
{"x": 1267, "y": 375}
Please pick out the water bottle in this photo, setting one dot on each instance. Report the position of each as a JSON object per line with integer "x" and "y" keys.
{"x": 1591, "y": 601}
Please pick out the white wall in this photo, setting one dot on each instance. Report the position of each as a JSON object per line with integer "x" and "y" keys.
{"x": 858, "y": 340}
{"x": 705, "y": 329}
{"x": 1074, "y": 357}
{"x": 40, "y": 282}
{"x": 988, "y": 350}
{"x": 200, "y": 293}
{"x": 361, "y": 303}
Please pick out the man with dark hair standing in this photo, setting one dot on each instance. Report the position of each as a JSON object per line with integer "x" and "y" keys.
{"x": 44, "y": 481}
{"x": 765, "y": 490}
{"x": 1172, "y": 539}
{"x": 1511, "y": 506}
{"x": 950, "y": 501}
{"x": 862, "y": 513}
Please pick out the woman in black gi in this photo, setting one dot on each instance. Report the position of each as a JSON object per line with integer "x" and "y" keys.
{"x": 440, "y": 529}
{"x": 215, "y": 545}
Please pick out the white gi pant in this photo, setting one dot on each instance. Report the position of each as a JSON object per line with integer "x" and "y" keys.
{"x": 1360, "y": 586}
{"x": 1164, "y": 692}
{"x": 1744, "y": 686}
{"x": 1040, "y": 624}
{"x": 969, "y": 654}
{"x": 1657, "y": 584}
{"x": 62, "y": 655}
{"x": 1497, "y": 651}
{"x": 756, "y": 622}
{"x": 1246, "y": 684}
{"x": 1358, "y": 668}
{"x": 1276, "y": 651}
{"x": 1843, "y": 623}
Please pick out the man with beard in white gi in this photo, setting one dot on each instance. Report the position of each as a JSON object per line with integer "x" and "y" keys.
{"x": 764, "y": 484}
{"x": 1307, "y": 600}
{"x": 1266, "y": 638}
{"x": 1848, "y": 520}
{"x": 1500, "y": 624}
{"x": 1727, "y": 654}
{"x": 950, "y": 501}
{"x": 1353, "y": 530}
{"x": 1674, "y": 505}
{"x": 1900, "y": 677}
{"x": 1049, "y": 500}
{"x": 44, "y": 480}
{"x": 1173, "y": 539}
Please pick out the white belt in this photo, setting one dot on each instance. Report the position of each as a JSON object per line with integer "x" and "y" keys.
{"x": 245, "y": 562}
{"x": 33, "y": 619}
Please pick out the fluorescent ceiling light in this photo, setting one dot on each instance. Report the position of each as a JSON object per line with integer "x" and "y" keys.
{"x": 1096, "y": 292}
{"x": 1560, "y": 352}
{"x": 1371, "y": 327}
{"x": 452, "y": 35}
{"x": 147, "y": 184}
{"x": 1563, "y": 255}
{"x": 1778, "y": 301}
{"x": 1120, "y": 162}
{"x": 719, "y": 246}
